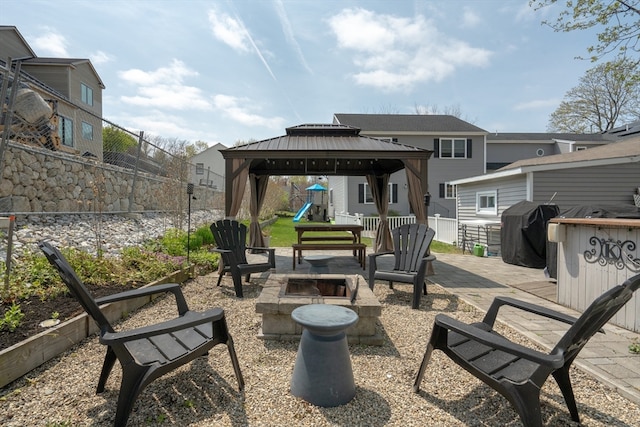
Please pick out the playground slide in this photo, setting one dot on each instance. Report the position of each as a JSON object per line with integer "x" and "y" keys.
{"x": 301, "y": 212}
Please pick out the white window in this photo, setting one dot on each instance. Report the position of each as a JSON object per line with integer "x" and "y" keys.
{"x": 199, "y": 168}
{"x": 87, "y": 131}
{"x": 487, "y": 202}
{"x": 86, "y": 94}
{"x": 65, "y": 131}
{"x": 450, "y": 191}
{"x": 453, "y": 148}
{"x": 366, "y": 197}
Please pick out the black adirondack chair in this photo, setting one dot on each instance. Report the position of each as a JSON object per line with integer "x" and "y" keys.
{"x": 515, "y": 371}
{"x": 148, "y": 352}
{"x": 410, "y": 250}
{"x": 231, "y": 239}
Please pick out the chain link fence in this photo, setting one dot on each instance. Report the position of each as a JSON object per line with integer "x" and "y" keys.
{"x": 58, "y": 157}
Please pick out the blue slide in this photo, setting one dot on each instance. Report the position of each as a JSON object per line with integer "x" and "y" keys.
{"x": 301, "y": 212}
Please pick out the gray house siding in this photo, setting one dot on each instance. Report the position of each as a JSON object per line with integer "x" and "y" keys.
{"x": 57, "y": 77}
{"x": 508, "y": 190}
{"x": 12, "y": 45}
{"x": 602, "y": 185}
{"x": 397, "y": 179}
{"x": 421, "y": 131}
{"x": 445, "y": 170}
{"x": 511, "y": 152}
{"x": 441, "y": 171}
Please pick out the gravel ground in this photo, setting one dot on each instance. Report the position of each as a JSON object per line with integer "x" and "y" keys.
{"x": 204, "y": 393}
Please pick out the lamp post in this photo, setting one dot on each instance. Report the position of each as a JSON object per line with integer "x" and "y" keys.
{"x": 189, "y": 195}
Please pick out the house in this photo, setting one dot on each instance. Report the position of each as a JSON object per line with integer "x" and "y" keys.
{"x": 506, "y": 148}
{"x": 459, "y": 151}
{"x": 209, "y": 168}
{"x": 72, "y": 83}
{"x": 604, "y": 175}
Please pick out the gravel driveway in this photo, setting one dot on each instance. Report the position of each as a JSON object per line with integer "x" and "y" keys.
{"x": 204, "y": 393}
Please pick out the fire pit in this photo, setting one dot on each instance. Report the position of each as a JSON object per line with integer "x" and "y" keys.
{"x": 284, "y": 293}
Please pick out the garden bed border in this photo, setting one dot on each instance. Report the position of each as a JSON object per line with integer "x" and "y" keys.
{"x": 23, "y": 357}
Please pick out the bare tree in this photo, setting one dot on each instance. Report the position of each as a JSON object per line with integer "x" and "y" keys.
{"x": 449, "y": 110}
{"x": 606, "y": 96}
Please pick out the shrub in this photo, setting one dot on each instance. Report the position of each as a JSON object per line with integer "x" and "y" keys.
{"x": 205, "y": 233}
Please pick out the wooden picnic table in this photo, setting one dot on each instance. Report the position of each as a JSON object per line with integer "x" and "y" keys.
{"x": 327, "y": 241}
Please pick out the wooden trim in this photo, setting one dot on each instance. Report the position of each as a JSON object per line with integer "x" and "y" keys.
{"x": 600, "y": 222}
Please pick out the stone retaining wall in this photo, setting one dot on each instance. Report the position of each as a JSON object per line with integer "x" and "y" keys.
{"x": 38, "y": 180}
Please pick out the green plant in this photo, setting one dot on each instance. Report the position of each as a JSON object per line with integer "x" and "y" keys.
{"x": 174, "y": 242}
{"x": 12, "y": 318}
{"x": 634, "y": 347}
{"x": 55, "y": 315}
{"x": 205, "y": 233}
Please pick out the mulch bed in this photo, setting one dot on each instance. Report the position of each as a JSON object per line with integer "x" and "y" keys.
{"x": 35, "y": 311}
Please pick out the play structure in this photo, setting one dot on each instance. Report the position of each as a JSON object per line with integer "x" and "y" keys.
{"x": 316, "y": 205}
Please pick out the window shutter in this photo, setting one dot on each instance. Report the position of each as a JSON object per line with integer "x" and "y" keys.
{"x": 469, "y": 143}
{"x": 442, "y": 191}
{"x": 436, "y": 147}
{"x": 360, "y": 193}
{"x": 394, "y": 193}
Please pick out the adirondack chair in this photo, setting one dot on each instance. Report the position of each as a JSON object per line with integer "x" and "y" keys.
{"x": 231, "y": 238}
{"x": 515, "y": 371}
{"x": 148, "y": 352}
{"x": 410, "y": 250}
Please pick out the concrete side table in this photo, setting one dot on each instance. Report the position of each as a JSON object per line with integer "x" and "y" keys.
{"x": 319, "y": 263}
{"x": 322, "y": 374}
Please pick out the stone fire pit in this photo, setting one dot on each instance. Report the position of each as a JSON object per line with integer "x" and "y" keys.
{"x": 282, "y": 294}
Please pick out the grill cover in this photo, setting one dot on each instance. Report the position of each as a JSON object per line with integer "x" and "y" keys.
{"x": 523, "y": 238}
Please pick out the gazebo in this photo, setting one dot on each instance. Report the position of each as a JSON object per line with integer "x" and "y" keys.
{"x": 325, "y": 149}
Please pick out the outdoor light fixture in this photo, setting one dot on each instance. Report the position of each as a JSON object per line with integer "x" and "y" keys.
{"x": 427, "y": 198}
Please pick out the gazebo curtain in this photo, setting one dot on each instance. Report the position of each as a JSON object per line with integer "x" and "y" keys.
{"x": 416, "y": 192}
{"x": 259, "y": 185}
{"x": 379, "y": 185}
{"x": 240, "y": 168}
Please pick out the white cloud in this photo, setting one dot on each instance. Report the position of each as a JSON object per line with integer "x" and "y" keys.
{"x": 537, "y": 104}
{"x": 229, "y": 30}
{"x": 50, "y": 43}
{"x": 470, "y": 18}
{"x": 395, "y": 53}
{"x": 289, "y": 35}
{"x": 100, "y": 57}
{"x": 233, "y": 32}
{"x": 165, "y": 88}
{"x": 240, "y": 110}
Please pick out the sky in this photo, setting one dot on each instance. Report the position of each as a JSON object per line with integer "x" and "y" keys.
{"x": 229, "y": 71}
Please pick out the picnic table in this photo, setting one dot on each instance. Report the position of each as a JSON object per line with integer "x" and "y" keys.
{"x": 329, "y": 241}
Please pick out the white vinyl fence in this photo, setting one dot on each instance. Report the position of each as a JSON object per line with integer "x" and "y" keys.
{"x": 446, "y": 228}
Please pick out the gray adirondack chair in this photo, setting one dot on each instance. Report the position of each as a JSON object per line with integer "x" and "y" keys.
{"x": 411, "y": 244}
{"x": 515, "y": 371}
{"x": 148, "y": 352}
{"x": 231, "y": 238}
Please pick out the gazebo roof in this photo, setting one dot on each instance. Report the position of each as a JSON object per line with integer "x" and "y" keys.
{"x": 325, "y": 149}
